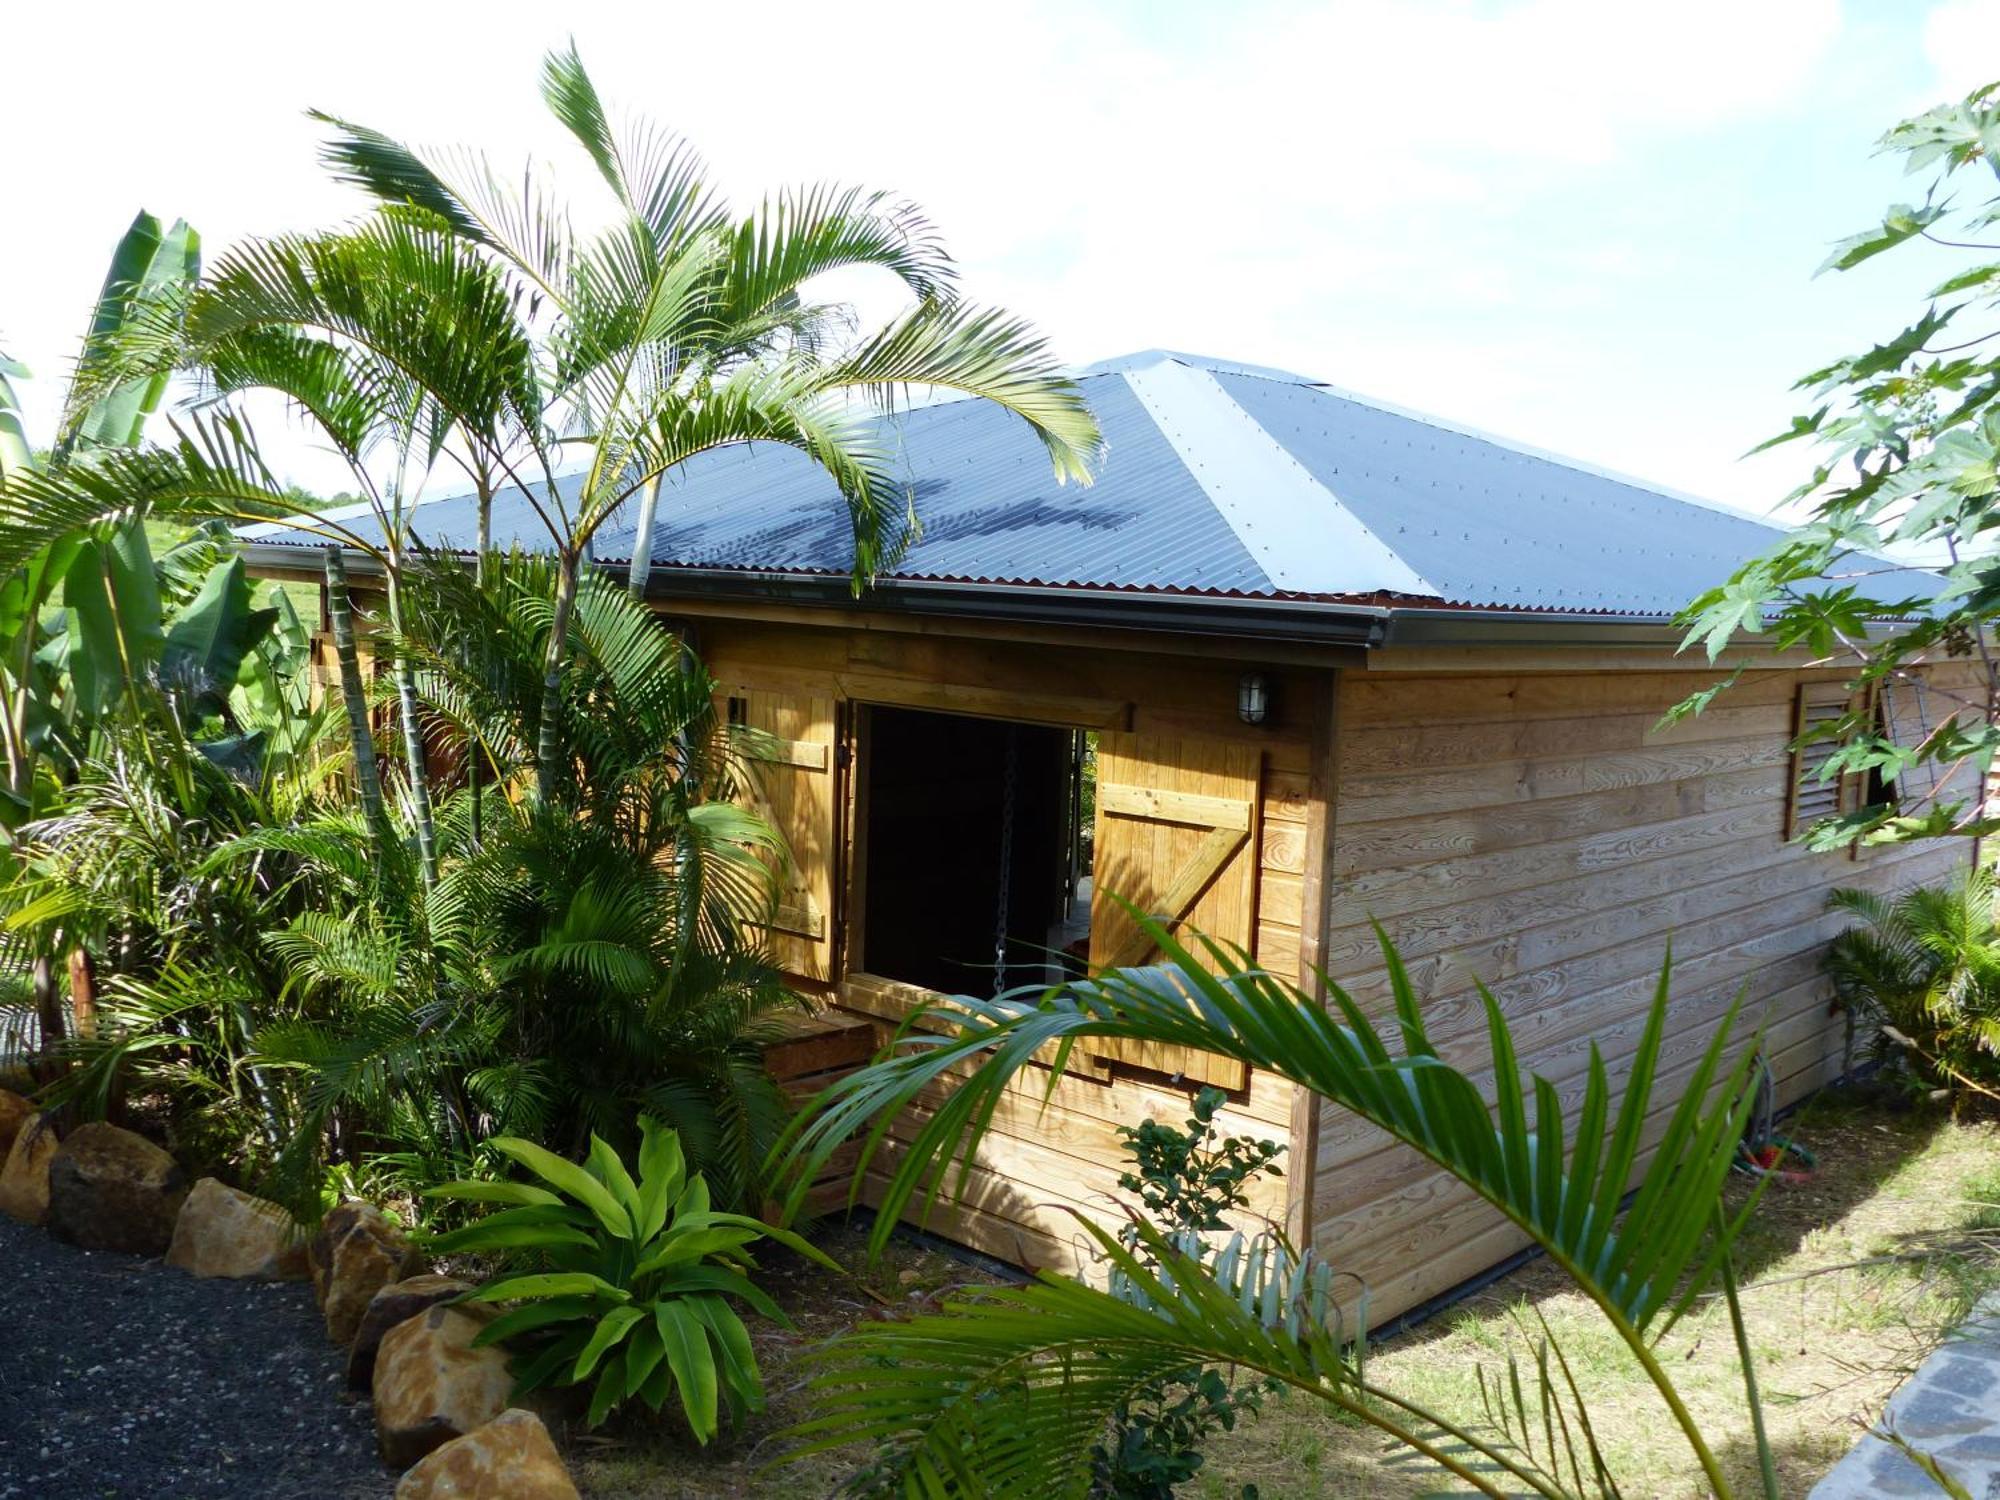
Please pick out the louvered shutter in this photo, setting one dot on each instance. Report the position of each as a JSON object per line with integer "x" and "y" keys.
{"x": 1176, "y": 835}
{"x": 1814, "y": 798}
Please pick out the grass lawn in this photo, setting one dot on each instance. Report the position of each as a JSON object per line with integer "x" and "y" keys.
{"x": 1835, "y": 1326}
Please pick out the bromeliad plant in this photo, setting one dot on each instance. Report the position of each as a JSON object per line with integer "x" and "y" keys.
{"x": 1006, "y": 1392}
{"x": 624, "y": 1281}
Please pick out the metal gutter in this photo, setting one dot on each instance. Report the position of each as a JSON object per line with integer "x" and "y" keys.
{"x": 1305, "y": 621}
{"x": 1192, "y": 614}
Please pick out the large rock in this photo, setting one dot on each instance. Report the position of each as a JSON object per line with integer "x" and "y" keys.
{"x": 224, "y": 1232}
{"x": 510, "y": 1458}
{"x": 14, "y": 1113}
{"x": 431, "y": 1385}
{"x": 397, "y": 1302}
{"x": 112, "y": 1190}
{"x": 24, "y": 1180}
{"x": 356, "y": 1253}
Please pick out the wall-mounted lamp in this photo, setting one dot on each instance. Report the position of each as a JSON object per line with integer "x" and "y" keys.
{"x": 1253, "y": 698}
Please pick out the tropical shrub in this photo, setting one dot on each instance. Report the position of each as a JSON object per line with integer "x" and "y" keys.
{"x": 1006, "y": 1391}
{"x": 580, "y": 960}
{"x": 181, "y": 724}
{"x": 1922, "y": 971}
{"x": 1188, "y": 1180}
{"x": 622, "y": 1283}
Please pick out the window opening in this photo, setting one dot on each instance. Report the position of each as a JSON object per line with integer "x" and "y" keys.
{"x": 977, "y": 851}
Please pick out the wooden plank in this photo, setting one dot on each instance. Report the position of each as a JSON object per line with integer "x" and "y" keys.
{"x": 1211, "y": 856}
{"x": 1167, "y": 806}
{"x": 1399, "y": 795}
{"x": 1168, "y": 853}
{"x": 895, "y": 1000}
{"x": 1384, "y": 841}
{"x": 1369, "y": 699}
{"x": 814, "y": 1044}
{"x": 985, "y": 703}
{"x": 795, "y": 793}
{"x": 810, "y": 755}
{"x": 1398, "y": 747}
{"x": 1556, "y": 864}
{"x": 1315, "y": 898}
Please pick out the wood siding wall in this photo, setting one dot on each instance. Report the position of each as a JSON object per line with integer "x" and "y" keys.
{"x": 1043, "y": 1164}
{"x": 1536, "y": 833}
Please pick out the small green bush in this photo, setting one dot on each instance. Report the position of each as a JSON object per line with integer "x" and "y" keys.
{"x": 626, "y": 1280}
{"x": 1188, "y": 1180}
{"x": 1923, "y": 970}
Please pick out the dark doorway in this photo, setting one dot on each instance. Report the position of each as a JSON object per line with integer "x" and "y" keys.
{"x": 972, "y": 849}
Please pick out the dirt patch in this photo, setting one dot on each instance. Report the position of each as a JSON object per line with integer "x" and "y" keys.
{"x": 640, "y": 1457}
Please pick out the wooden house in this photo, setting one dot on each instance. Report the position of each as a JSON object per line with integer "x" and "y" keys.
{"x": 1296, "y": 661}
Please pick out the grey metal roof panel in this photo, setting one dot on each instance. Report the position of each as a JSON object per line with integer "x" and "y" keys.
{"x": 1218, "y": 478}
{"x": 1486, "y": 523}
{"x": 988, "y": 507}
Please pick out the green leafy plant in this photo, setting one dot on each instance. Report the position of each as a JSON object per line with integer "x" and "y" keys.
{"x": 623, "y": 1283}
{"x": 1005, "y": 1392}
{"x": 1908, "y": 434}
{"x": 1193, "y": 1177}
{"x": 1923, "y": 970}
{"x": 580, "y": 961}
{"x": 104, "y": 409}
{"x": 1188, "y": 1179}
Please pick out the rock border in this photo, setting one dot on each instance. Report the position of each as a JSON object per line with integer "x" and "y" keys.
{"x": 364, "y": 1268}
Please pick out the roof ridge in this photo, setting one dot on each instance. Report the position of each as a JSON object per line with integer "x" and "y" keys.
{"x": 1299, "y": 532}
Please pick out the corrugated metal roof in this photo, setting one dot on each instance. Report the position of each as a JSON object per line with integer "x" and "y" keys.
{"x": 1218, "y": 478}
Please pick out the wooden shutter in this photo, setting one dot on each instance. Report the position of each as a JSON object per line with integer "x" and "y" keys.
{"x": 1811, "y": 798}
{"x": 793, "y": 771}
{"x": 1176, "y": 835}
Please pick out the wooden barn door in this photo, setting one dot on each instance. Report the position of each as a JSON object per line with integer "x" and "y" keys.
{"x": 1176, "y": 835}
{"x": 794, "y": 765}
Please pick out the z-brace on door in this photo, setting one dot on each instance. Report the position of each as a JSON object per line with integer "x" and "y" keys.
{"x": 1176, "y": 836}
{"x": 794, "y": 767}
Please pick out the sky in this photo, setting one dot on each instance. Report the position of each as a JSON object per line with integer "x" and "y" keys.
{"x": 1591, "y": 227}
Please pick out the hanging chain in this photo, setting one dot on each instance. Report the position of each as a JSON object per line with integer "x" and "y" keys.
{"x": 1006, "y": 859}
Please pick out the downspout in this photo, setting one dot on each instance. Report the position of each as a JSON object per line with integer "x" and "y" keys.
{"x": 642, "y": 539}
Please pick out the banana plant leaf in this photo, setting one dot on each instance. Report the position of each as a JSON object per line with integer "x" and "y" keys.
{"x": 148, "y": 266}
{"x": 240, "y": 755}
{"x": 14, "y": 450}
{"x": 206, "y": 646}
{"x": 112, "y": 597}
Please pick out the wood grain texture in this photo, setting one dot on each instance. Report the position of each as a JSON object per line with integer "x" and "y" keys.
{"x": 1181, "y": 711}
{"x": 1172, "y": 838}
{"x": 792, "y": 786}
{"x": 1540, "y": 833}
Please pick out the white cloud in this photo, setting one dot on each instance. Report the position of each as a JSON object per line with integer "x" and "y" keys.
{"x": 1962, "y": 41}
{"x": 1396, "y": 196}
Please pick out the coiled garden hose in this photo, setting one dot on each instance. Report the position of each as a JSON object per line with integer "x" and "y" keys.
{"x": 1763, "y": 1152}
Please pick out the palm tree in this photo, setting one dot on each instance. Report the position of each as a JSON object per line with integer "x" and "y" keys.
{"x": 468, "y": 322}
{"x": 680, "y": 327}
{"x": 591, "y": 958}
{"x": 1924, "y": 968}
{"x": 1005, "y": 1394}
{"x": 398, "y": 346}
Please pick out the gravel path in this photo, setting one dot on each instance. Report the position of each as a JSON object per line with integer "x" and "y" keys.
{"x": 122, "y": 1378}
